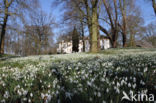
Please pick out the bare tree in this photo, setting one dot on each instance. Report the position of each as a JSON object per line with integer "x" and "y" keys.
{"x": 112, "y": 19}
{"x": 150, "y": 34}
{"x": 39, "y": 31}
{"x": 10, "y": 8}
{"x": 87, "y": 13}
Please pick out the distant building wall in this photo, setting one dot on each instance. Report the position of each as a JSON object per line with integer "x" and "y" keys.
{"x": 66, "y": 47}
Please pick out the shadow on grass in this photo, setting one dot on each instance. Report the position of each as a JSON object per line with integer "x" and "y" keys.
{"x": 4, "y": 57}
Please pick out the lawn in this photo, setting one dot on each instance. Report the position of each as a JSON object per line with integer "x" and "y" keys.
{"x": 79, "y": 77}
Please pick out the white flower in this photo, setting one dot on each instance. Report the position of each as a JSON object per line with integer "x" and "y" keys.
{"x": 90, "y": 99}
{"x": 134, "y": 79}
{"x": 42, "y": 95}
{"x": 134, "y": 85}
{"x": 145, "y": 70}
{"x": 29, "y": 100}
{"x": 122, "y": 82}
{"x": 129, "y": 84}
{"x": 6, "y": 95}
{"x": 95, "y": 93}
{"x": 99, "y": 94}
{"x": 107, "y": 90}
{"x": 24, "y": 99}
{"x": 102, "y": 79}
{"x": 68, "y": 95}
{"x": 117, "y": 90}
{"x": 3, "y": 84}
{"x": 31, "y": 94}
{"x": 89, "y": 83}
{"x": 25, "y": 92}
{"x": 19, "y": 92}
{"x": 103, "y": 101}
{"x": 3, "y": 101}
{"x": 118, "y": 84}
{"x": 49, "y": 86}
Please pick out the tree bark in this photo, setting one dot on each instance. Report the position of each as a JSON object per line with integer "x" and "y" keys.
{"x": 94, "y": 36}
{"x": 114, "y": 38}
{"x": 124, "y": 39}
{"x": 82, "y": 33}
{"x": 2, "y": 39}
{"x": 154, "y": 5}
{"x": 124, "y": 22}
{"x": 132, "y": 39}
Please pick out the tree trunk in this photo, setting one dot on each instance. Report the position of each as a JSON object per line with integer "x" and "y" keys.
{"x": 154, "y": 5}
{"x": 82, "y": 34}
{"x": 114, "y": 38}
{"x": 132, "y": 40}
{"x": 114, "y": 44}
{"x": 124, "y": 39}
{"x": 2, "y": 39}
{"x": 94, "y": 36}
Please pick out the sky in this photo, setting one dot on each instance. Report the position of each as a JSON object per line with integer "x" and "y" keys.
{"x": 144, "y": 5}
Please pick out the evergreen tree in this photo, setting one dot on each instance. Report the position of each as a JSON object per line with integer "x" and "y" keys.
{"x": 75, "y": 40}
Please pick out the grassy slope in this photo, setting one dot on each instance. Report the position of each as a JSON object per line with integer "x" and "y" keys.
{"x": 13, "y": 61}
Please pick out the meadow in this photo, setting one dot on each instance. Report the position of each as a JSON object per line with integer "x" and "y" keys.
{"x": 78, "y": 77}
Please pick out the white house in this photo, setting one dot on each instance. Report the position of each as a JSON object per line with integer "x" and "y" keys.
{"x": 66, "y": 46}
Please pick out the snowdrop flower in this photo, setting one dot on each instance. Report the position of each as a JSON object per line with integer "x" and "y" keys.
{"x": 134, "y": 79}
{"x": 102, "y": 79}
{"x": 29, "y": 100}
{"x": 103, "y": 101}
{"x": 3, "y": 84}
{"x": 126, "y": 79}
{"x": 118, "y": 84}
{"x": 42, "y": 95}
{"x": 31, "y": 95}
{"x": 48, "y": 97}
{"x": 107, "y": 90}
{"x": 117, "y": 90}
{"x": 142, "y": 82}
{"x": 134, "y": 85}
{"x": 145, "y": 70}
{"x": 25, "y": 92}
{"x": 129, "y": 84}
{"x": 99, "y": 94}
{"x": 6, "y": 95}
{"x": 49, "y": 86}
{"x": 68, "y": 95}
{"x": 19, "y": 92}
{"x": 3, "y": 101}
{"x": 122, "y": 82}
{"x": 89, "y": 83}
{"x": 90, "y": 99}
{"x": 95, "y": 93}
{"x": 24, "y": 99}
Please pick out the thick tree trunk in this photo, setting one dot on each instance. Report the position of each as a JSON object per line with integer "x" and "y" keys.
{"x": 132, "y": 40}
{"x": 114, "y": 38}
{"x": 123, "y": 27}
{"x": 2, "y": 39}
{"x": 114, "y": 44}
{"x": 124, "y": 39}
{"x": 94, "y": 36}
